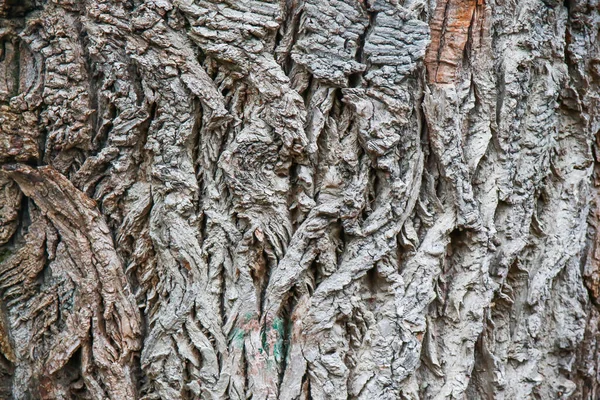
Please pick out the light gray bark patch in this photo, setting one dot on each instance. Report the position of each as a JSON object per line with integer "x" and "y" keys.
{"x": 330, "y": 39}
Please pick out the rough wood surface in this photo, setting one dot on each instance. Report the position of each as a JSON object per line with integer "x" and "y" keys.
{"x": 300, "y": 199}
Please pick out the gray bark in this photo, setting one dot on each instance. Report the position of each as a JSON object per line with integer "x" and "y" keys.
{"x": 300, "y": 199}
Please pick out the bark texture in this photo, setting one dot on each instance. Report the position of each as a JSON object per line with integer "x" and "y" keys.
{"x": 299, "y": 199}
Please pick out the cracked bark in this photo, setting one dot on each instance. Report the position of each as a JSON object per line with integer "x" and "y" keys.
{"x": 342, "y": 199}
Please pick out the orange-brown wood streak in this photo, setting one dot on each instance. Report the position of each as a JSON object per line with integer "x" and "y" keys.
{"x": 449, "y": 34}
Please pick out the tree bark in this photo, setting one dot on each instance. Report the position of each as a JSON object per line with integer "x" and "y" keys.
{"x": 300, "y": 199}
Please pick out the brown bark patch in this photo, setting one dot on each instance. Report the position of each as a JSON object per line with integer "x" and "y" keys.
{"x": 449, "y": 26}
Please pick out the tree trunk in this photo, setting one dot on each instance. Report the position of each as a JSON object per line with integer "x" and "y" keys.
{"x": 301, "y": 199}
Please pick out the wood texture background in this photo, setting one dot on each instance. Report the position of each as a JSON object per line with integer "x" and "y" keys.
{"x": 299, "y": 199}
